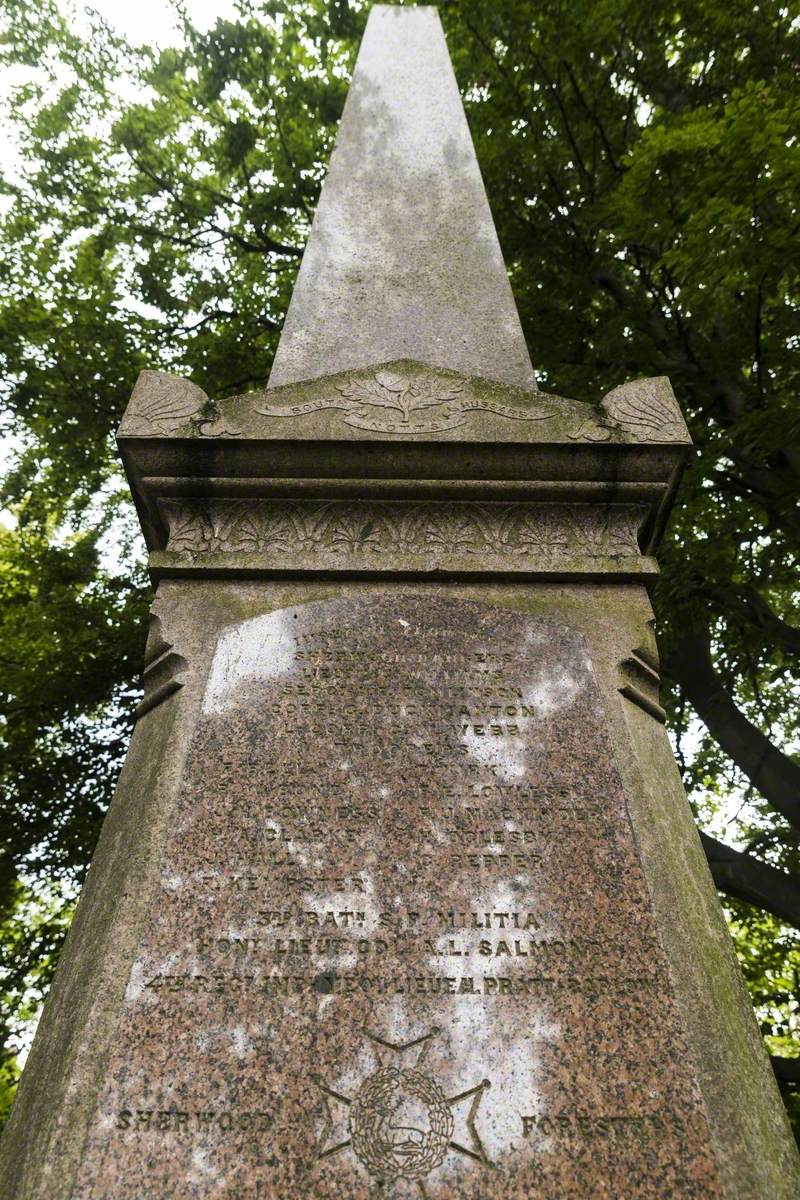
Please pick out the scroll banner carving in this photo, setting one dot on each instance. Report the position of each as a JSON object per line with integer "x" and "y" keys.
{"x": 367, "y": 532}
{"x": 387, "y": 402}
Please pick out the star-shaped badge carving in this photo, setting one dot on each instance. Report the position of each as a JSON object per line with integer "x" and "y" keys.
{"x": 400, "y": 1122}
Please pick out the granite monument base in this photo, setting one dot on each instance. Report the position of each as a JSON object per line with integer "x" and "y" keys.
{"x": 413, "y": 906}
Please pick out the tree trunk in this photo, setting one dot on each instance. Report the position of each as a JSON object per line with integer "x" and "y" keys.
{"x": 774, "y": 774}
{"x": 747, "y": 878}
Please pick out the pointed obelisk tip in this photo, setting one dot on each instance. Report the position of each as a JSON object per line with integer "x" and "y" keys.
{"x": 403, "y": 259}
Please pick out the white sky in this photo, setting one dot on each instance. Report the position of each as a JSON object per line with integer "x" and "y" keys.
{"x": 153, "y": 21}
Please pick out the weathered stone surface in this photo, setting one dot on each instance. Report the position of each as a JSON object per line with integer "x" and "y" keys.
{"x": 402, "y": 432}
{"x": 401, "y": 934}
{"x": 208, "y": 779}
{"x": 395, "y": 402}
{"x": 403, "y": 538}
{"x": 400, "y": 894}
{"x": 403, "y": 259}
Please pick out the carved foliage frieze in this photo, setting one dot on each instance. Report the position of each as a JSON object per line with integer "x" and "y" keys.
{"x": 371, "y": 530}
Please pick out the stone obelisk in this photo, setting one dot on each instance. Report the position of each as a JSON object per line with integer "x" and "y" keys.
{"x": 400, "y": 894}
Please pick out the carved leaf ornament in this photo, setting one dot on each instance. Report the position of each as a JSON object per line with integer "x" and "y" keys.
{"x": 165, "y": 404}
{"x": 367, "y": 530}
{"x": 162, "y": 403}
{"x": 646, "y": 409}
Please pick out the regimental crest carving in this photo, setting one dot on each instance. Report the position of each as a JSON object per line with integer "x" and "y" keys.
{"x": 387, "y": 402}
{"x": 387, "y": 1146}
{"x": 400, "y": 1121}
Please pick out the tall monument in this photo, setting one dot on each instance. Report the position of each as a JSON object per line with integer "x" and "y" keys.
{"x": 400, "y": 894}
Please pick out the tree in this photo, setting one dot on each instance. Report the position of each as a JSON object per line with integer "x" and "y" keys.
{"x": 642, "y": 169}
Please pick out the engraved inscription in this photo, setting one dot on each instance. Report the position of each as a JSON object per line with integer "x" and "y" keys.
{"x": 187, "y": 1121}
{"x": 622, "y": 1127}
{"x": 400, "y": 866}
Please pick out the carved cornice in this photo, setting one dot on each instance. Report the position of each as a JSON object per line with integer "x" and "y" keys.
{"x": 399, "y": 433}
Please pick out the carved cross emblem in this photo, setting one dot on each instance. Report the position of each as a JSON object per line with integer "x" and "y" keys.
{"x": 400, "y": 1122}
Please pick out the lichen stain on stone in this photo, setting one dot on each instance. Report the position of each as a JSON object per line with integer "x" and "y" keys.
{"x": 506, "y": 755}
{"x": 172, "y": 882}
{"x": 136, "y": 983}
{"x": 203, "y": 1172}
{"x": 551, "y": 691}
{"x": 261, "y": 649}
{"x": 240, "y": 1041}
{"x": 513, "y": 1065}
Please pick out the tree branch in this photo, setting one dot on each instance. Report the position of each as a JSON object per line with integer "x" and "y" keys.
{"x": 745, "y": 877}
{"x": 774, "y": 774}
{"x": 756, "y": 611}
{"x": 266, "y": 244}
{"x": 592, "y": 115}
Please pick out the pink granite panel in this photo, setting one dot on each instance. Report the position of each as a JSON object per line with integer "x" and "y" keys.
{"x": 402, "y": 944}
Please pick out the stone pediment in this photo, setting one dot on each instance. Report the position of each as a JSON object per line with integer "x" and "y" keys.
{"x": 404, "y": 400}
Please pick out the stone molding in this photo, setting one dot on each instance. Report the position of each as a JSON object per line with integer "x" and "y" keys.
{"x": 163, "y": 671}
{"x": 641, "y": 683}
{"x": 374, "y": 535}
{"x": 430, "y": 435}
